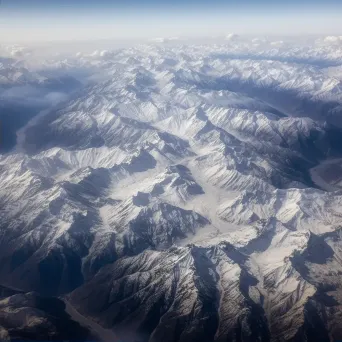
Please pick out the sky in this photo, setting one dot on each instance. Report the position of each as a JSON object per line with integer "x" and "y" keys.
{"x": 48, "y": 20}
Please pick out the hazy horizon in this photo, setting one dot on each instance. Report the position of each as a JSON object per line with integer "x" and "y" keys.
{"x": 37, "y": 20}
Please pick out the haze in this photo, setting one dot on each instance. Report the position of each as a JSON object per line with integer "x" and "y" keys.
{"x": 37, "y": 20}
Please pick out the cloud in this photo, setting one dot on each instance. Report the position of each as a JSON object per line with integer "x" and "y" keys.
{"x": 277, "y": 43}
{"x": 333, "y": 39}
{"x": 32, "y": 96}
{"x": 232, "y": 37}
{"x": 164, "y": 40}
{"x": 55, "y": 97}
{"x": 16, "y": 51}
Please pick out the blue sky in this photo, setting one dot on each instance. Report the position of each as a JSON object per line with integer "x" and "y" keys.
{"x": 48, "y": 6}
{"x": 95, "y": 3}
{"x": 81, "y": 19}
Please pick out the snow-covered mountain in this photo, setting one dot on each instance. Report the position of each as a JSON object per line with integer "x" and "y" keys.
{"x": 186, "y": 193}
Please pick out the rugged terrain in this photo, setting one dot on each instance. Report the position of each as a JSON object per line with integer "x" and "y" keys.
{"x": 183, "y": 192}
{"x": 30, "y": 317}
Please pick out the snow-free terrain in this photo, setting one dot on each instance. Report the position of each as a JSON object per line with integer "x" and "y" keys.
{"x": 181, "y": 191}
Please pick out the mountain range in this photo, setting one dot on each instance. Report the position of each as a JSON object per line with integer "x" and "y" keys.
{"x": 176, "y": 192}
